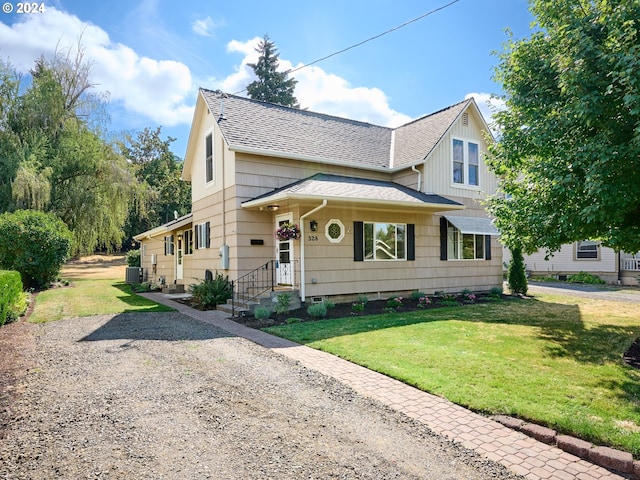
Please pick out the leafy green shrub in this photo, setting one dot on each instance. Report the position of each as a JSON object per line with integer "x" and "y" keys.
{"x": 283, "y": 302}
{"x": 357, "y": 307}
{"x": 211, "y": 292}
{"x": 262, "y": 313}
{"x": 133, "y": 258}
{"x": 362, "y": 298}
{"x": 517, "y": 277}
{"x": 317, "y": 310}
{"x": 36, "y": 244}
{"x": 585, "y": 277}
{"x": 495, "y": 292}
{"x": 417, "y": 295}
{"x": 12, "y": 298}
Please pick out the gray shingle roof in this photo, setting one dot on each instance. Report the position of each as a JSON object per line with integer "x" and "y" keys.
{"x": 416, "y": 139}
{"x": 255, "y": 124}
{"x": 252, "y": 124}
{"x": 338, "y": 187}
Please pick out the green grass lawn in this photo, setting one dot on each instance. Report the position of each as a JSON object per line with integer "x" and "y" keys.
{"x": 90, "y": 297}
{"x": 554, "y": 360}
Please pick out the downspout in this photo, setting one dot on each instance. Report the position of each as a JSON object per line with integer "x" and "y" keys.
{"x": 302, "y": 265}
{"x": 414, "y": 169}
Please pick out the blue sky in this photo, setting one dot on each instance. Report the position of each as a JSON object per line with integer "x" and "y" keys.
{"x": 152, "y": 55}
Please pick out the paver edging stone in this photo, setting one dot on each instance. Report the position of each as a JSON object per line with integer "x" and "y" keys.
{"x": 610, "y": 458}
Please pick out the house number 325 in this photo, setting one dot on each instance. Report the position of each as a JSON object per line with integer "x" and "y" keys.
{"x": 312, "y": 238}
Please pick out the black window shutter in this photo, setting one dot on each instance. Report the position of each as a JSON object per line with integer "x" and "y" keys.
{"x": 487, "y": 247}
{"x": 411, "y": 241}
{"x": 208, "y": 229}
{"x": 165, "y": 246}
{"x": 443, "y": 238}
{"x": 197, "y": 235}
{"x": 358, "y": 241}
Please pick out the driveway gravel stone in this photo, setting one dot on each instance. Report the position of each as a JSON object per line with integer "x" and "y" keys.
{"x": 163, "y": 396}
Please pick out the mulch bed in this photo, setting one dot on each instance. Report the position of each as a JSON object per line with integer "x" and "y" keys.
{"x": 344, "y": 310}
{"x": 632, "y": 355}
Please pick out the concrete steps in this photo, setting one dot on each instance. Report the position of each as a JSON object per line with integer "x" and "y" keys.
{"x": 246, "y": 303}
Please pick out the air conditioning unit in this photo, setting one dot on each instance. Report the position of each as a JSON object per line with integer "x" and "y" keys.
{"x": 154, "y": 259}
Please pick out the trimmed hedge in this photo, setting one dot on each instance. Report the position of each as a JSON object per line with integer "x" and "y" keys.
{"x": 10, "y": 294}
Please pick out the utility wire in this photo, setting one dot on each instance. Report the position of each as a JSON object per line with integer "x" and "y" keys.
{"x": 424, "y": 15}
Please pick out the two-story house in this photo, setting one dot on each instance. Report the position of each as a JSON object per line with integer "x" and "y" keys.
{"x": 378, "y": 210}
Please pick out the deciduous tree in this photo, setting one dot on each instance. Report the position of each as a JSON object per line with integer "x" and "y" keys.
{"x": 568, "y": 153}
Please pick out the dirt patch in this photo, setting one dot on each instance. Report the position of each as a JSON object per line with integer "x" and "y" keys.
{"x": 101, "y": 266}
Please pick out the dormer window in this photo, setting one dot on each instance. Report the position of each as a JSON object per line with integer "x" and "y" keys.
{"x": 465, "y": 163}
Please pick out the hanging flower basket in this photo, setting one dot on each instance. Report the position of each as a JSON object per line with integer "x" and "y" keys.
{"x": 288, "y": 231}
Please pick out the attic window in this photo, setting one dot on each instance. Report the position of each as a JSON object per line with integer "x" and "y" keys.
{"x": 465, "y": 119}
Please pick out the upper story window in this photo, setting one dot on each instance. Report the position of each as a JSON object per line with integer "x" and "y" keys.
{"x": 208, "y": 147}
{"x": 465, "y": 162}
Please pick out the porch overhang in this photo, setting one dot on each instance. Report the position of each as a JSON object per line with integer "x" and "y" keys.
{"x": 351, "y": 191}
{"x": 166, "y": 228}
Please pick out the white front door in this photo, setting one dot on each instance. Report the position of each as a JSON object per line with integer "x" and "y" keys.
{"x": 179, "y": 256}
{"x": 284, "y": 254}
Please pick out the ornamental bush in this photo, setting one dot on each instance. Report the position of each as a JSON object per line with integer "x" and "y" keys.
{"x": 133, "y": 258}
{"x": 517, "y": 276}
{"x": 211, "y": 291}
{"x": 12, "y": 298}
{"x": 36, "y": 244}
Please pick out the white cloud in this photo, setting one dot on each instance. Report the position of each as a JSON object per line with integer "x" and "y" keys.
{"x": 157, "y": 89}
{"x": 205, "y": 26}
{"x": 488, "y": 105}
{"x": 318, "y": 90}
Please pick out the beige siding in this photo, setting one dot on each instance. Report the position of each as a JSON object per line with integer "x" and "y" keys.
{"x": 438, "y": 176}
{"x": 564, "y": 262}
{"x": 165, "y": 264}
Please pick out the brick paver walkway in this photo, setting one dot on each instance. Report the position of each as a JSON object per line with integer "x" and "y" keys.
{"x": 516, "y": 451}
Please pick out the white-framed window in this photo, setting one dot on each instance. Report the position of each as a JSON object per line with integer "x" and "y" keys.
{"x": 587, "y": 250}
{"x": 188, "y": 242}
{"x": 334, "y": 231}
{"x": 168, "y": 245}
{"x": 465, "y": 163}
{"x": 208, "y": 158}
{"x": 143, "y": 249}
{"x": 385, "y": 241}
{"x": 202, "y": 235}
{"x": 464, "y": 246}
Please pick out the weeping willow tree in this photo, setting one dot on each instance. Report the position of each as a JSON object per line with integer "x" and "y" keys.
{"x": 53, "y": 156}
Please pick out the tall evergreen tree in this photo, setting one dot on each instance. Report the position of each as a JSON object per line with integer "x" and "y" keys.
{"x": 271, "y": 86}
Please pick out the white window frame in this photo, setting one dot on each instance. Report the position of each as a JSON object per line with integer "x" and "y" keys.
{"x": 202, "y": 235}
{"x": 188, "y": 242}
{"x": 327, "y": 227}
{"x": 466, "y": 163}
{"x": 456, "y": 244}
{"x": 592, "y": 246}
{"x": 381, "y": 245}
{"x": 209, "y": 164}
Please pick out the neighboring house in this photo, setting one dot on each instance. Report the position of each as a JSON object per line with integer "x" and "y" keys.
{"x": 379, "y": 209}
{"x": 587, "y": 256}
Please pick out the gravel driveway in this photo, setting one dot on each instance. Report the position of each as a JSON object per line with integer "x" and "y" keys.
{"x": 162, "y": 396}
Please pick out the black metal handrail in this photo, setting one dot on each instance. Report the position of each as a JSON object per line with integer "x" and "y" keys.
{"x": 253, "y": 284}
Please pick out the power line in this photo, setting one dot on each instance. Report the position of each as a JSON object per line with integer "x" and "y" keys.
{"x": 424, "y": 15}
